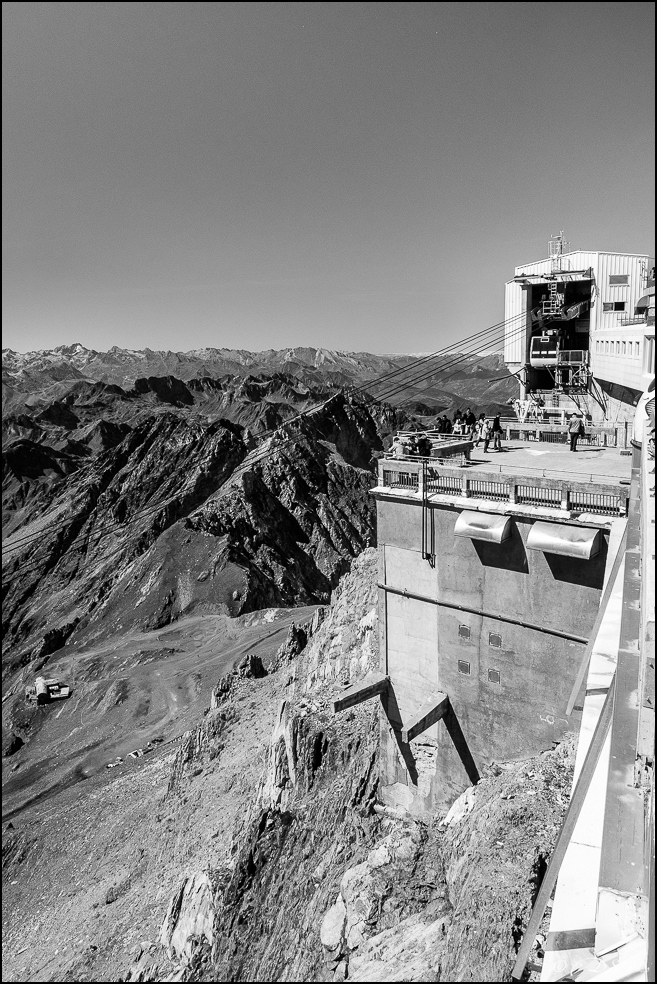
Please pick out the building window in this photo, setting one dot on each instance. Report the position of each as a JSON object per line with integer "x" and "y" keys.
{"x": 637, "y": 349}
{"x": 613, "y": 306}
{"x": 495, "y": 640}
{"x": 606, "y": 348}
{"x": 617, "y": 348}
{"x": 493, "y": 676}
{"x": 464, "y": 631}
{"x": 624, "y": 348}
{"x": 464, "y": 667}
{"x": 619, "y": 280}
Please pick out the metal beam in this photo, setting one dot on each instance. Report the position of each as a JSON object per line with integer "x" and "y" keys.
{"x": 563, "y": 840}
{"x": 586, "y": 655}
{"x": 477, "y": 611}
{"x": 429, "y": 713}
{"x": 369, "y": 686}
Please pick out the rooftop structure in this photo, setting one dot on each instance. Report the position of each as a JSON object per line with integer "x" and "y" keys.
{"x": 579, "y": 329}
{"x": 45, "y": 690}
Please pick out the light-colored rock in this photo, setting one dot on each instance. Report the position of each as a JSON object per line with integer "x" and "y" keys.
{"x": 360, "y": 902}
{"x": 281, "y": 773}
{"x": 461, "y": 807}
{"x": 379, "y": 857}
{"x": 331, "y": 932}
{"x": 190, "y": 914}
{"x": 410, "y": 951}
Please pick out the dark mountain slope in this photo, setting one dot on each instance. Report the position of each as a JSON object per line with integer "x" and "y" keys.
{"x": 176, "y": 518}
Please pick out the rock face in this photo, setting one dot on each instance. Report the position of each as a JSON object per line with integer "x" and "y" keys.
{"x": 322, "y": 884}
{"x": 190, "y": 915}
{"x": 158, "y": 510}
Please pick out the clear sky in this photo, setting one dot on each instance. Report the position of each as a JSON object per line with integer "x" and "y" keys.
{"x": 360, "y": 176}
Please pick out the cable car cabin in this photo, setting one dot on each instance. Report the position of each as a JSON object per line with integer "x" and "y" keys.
{"x": 544, "y": 350}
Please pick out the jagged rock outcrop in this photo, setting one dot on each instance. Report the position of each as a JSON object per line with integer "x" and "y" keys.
{"x": 296, "y": 640}
{"x": 190, "y": 915}
{"x": 177, "y": 517}
{"x": 323, "y": 884}
{"x": 200, "y": 744}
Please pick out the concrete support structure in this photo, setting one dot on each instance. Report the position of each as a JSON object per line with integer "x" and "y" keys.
{"x": 372, "y": 685}
{"x": 431, "y": 712}
{"x": 493, "y": 629}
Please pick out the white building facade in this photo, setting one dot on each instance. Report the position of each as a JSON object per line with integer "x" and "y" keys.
{"x": 602, "y": 321}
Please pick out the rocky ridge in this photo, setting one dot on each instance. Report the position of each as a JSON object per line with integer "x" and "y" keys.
{"x": 172, "y": 515}
{"x": 323, "y": 884}
{"x": 51, "y": 372}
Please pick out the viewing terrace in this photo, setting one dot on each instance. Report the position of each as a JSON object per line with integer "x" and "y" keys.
{"x": 546, "y": 479}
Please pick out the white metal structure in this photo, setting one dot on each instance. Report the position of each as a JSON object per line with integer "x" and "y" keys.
{"x": 606, "y": 316}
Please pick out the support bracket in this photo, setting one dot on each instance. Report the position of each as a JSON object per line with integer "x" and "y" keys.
{"x": 369, "y": 686}
{"x": 429, "y": 713}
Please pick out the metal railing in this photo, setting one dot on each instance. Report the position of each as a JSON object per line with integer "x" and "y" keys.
{"x": 400, "y": 479}
{"x": 596, "y": 502}
{"x": 573, "y": 356}
{"x": 599, "y": 437}
{"x": 422, "y": 477}
{"x": 445, "y": 484}
{"x": 497, "y": 491}
{"x": 535, "y": 495}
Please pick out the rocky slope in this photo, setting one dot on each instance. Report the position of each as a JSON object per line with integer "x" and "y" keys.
{"x": 254, "y": 849}
{"x": 322, "y": 884}
{"x": 113, "y": 523}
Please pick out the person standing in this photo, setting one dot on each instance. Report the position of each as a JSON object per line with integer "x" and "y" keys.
{"x": 486, "y": 433}
{"x": 575, "y": 429}
{"x": 478, "y": 430}
{"x": 497, "y": 433}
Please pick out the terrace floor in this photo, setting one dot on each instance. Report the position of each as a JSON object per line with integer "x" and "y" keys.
{"x": 604, "y": 465}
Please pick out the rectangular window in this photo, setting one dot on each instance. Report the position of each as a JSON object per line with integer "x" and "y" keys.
{"x": 624, "y": 348}
{"x": 637, "y": 349}
{"x": 495, "y": 640}
{"x": 493, "y": 676}
{"x": 619, "y": 305}
{"x": 619, "y": 280}
{"x": 617, "y": 348}
{"x": 608, "y": 306}
{"x": 613, "y": 306}
{"x": 606, "y": 348}
{"x": 464, "y": 631}
{"x": 464, "y": 667}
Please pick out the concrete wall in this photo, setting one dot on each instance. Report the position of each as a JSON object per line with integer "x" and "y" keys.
{"x": 421, "y": 647}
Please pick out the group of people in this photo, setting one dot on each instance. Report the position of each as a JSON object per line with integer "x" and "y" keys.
{"x": 480, "y": 430}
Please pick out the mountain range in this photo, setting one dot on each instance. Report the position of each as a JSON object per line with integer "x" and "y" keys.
{"x": 442, "y": 384}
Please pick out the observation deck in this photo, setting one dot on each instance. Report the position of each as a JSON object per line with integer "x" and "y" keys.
{"x": 539, "y": 478}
